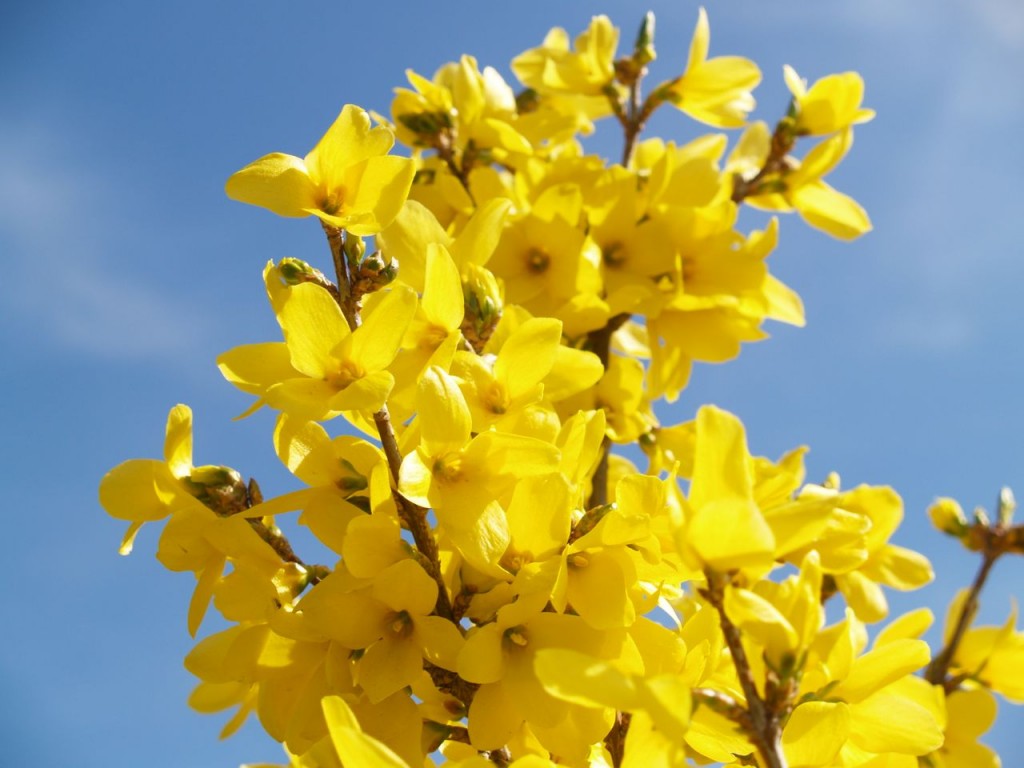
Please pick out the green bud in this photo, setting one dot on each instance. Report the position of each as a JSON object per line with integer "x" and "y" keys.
{"x": 643, "y": 48}
{"x": 295, "y": 271}
{"x": 373, "y": 263}
{"x": 425, "y": 124}
{"x": 218, "y": 488}
{"x": 354, "y": 248}
{"x": 390, "y": 271}
{"x": 483, "y": 305}
{"x": 1007, "y": 504}
{"x": 981, "y": 517}
{"x": 373, "y": 273}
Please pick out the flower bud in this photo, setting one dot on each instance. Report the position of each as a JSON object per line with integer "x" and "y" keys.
{"x": 484, "y": 304}
{"x": 643, "y": 48}
{"x": 218, "y": 488}
{"x": 373, "y": 273}
{"x": 948, "y": 517}
{"x": 426, "y": 125}
{"x": 294, "y": 271}
{"x": 354, "y": 249}
{"x": 1007, "y": 504}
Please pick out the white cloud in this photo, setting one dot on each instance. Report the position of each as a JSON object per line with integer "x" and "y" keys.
{"x": 999, "y": 21}
{"x": 66, "y": 277}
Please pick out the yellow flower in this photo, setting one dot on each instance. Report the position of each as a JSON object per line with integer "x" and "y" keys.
{"x": 196, "y": 538}
{"x": 890, "y": 710}
{"x": 831, "y": 104}
{"x": 333, "y": 369}
{"x": 347, "y": 180}
{"x": 886, "y": 563}
{"x": 352, "y": 745}
{"x": 461, "y": 107}
{"x": 461, "y": 476}
{"x": 714, "y": 91}
{"x": 586, "y": 71}
{"x": 500, "y": 657}
{"x": 388, "y": 618}
{"x": 722, "y": 498}
{"x": 801, "y": 185}
{"x": 993, "y": 656}
{"x": 969, "y": 713}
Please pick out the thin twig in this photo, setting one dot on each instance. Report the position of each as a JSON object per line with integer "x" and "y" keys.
{"x": 937, "y": 671}
{"x": 445, "y": 146}
{"x": 414, "y": 516}
{"x": 764, "y": 726}
{"x": 782, "y": 142}
{"x": 600, "y": 343}
{"x": 615, "y": 741}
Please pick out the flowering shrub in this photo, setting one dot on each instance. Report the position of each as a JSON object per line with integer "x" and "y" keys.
{"x": 501, "y": 311}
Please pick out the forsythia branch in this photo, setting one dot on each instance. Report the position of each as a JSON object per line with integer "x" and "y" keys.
{"x": 764, "y": 726}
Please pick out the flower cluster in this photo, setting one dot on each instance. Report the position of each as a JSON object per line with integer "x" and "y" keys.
{"x": 505, "y": 586}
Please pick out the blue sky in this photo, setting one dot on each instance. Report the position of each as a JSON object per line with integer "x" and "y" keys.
{"x": 126, "y": 271}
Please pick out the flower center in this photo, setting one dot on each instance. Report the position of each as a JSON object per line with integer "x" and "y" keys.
{"x": 614, "y": 255}
{"x": 433, "y": 337}
{"x": 495, "y": 398}
{"x": 578, "y": 560}
{"x": 689, "y": 269}
{"x": 333, "y": 201}
{"x": 517, "y": 636}
{"x": 537, "y": 261}
{"x": 400, "y": 624}
{"x": 514, "y": 561}
{"x": 448, "y": 468}
{"x": 347, "y": 372}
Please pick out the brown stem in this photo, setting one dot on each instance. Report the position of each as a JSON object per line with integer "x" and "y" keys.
{"x": 336, "y": 241}
{"x": 723, "y": 704}
{"x": 764, "y": 726}
{"x": 633, "y": 126}
{"x": 414, "y": 516}
{"x": 445, "y": 146}
{"x": 937, "y": 671}
{"x": 500, "y": 757}
{"x": 782, "y": 142}
{"x": 276, "y": 539}
{"x": 615, "y": 741}
{"x": 600, "y": 343}
{"x": 450, "y": 682}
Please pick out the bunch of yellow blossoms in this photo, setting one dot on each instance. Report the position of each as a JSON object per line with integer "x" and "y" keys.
{"x": 504, "y": 587}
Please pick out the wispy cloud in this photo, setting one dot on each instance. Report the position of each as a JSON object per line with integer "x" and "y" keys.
{"x": 64, "y": 280}
{"x": 947, "y": 210}
{"x": 930, "y": 330}
{"x": 1004, "y": 19}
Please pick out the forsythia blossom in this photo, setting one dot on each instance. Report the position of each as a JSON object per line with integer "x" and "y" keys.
{"x": 499, "y": 583}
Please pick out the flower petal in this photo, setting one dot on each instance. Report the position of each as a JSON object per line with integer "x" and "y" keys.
{"x": 277, "y": 182}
